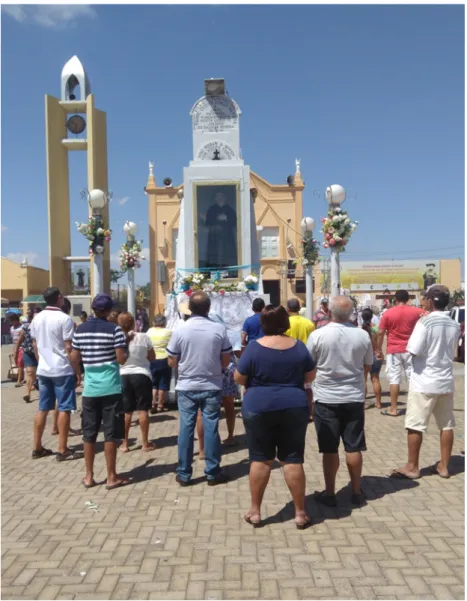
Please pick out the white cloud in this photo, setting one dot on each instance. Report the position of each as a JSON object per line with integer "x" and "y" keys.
{"x": 31, "y": 257}
{"x": 115, "y": 259}
{"x": 50, "y": 16}
{"x": 145, "y": 253}
{"x": 123, "y": 200}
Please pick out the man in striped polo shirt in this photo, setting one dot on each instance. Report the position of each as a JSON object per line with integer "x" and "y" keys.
{"x": 101, "y": 346}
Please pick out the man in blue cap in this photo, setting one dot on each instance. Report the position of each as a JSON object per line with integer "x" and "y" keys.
{"x": 101, "y": 346}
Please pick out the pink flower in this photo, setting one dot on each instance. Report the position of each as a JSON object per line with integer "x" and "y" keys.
{"x": 332, "y": 242}
{"x": 323, "y": 220}
{"x": 326, "y": 245}
{"x": 222, "y": 292}
{"x": 331, "y": 230}
{"x": 189, "y": 292}
{"x": 328, "y": 236}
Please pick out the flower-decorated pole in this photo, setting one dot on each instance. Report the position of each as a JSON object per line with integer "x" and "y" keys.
{"x": 309, "y": 251}
{"x": 130, "y": 228}
{"x": 335, "y": 195}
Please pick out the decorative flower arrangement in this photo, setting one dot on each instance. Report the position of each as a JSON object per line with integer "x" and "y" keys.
{"x": 96, "y": 232}
{"x": 201, "y": 281}
{"x": 310, "y": 249}
{"x": 337, "y": 229}
{"x": 131, "y": 255}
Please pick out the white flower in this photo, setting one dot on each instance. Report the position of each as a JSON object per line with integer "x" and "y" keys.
{"x": 241, "y": 287}
{"x": 347, "y": 221}
{"x": 99, "y": 249}
{"x": 335, "y": 219}
{"x": 100, "y": 231}
{"x": 337, "y": 238}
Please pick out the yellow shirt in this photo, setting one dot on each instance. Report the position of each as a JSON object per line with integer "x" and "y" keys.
{"x": 300, "y": 328}
{"x": 160, "y": 338}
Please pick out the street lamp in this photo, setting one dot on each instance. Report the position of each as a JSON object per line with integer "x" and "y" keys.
{"x": 130, "y": 228}
{"x": 97, "y": 200}
{"x": 335, "y": 195}
{"x": 259, "y": 229}
{"x": 308, "y": 225}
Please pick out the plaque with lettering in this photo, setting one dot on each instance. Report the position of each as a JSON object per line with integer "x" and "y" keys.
{"x": 215, "y": 114}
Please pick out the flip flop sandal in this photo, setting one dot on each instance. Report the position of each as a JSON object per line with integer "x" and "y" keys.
{"x": 119, "y": 484}
{"x": 386, "y": 413}
{"x": 254, "y": 523}
{"x": 232, "y": 443}
{"x": 398, "y": 475}
{"x": 152, "y": 448}
{"x": 83, "y": 483}
{"x": 303, "y": 525}
{"x": 162, "y": 409}
{"x": 434, "y": 470}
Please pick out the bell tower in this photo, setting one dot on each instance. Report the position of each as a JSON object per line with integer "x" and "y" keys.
{"x": 73, "y": 123}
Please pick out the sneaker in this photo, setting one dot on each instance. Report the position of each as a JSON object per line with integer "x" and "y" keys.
{"x": 221, "y": 478}
{"x": 42, "y": 453}
{"x": 27, "y": 398}
{"x": 182, "y": 482}
{"x": 70, "y": 455}
{"x": 324, "y": 499}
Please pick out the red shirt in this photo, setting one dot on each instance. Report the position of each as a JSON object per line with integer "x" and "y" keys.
{"x": 399, "y": 323}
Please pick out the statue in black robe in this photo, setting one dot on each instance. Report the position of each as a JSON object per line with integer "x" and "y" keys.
{"x": 221, "y": 221}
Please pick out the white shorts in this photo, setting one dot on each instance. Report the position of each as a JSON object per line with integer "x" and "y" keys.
{"x": 420, "y": 406}
{"x": 397, "y": 365}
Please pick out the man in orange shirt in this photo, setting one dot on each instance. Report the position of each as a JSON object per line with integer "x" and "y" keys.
{"x": 398, "y": 324}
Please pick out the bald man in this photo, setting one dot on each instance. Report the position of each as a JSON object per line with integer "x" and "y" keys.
{"x": 343, "y": 355}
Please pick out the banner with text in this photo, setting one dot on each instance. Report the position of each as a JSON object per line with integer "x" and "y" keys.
{"x": 378, "y": 276}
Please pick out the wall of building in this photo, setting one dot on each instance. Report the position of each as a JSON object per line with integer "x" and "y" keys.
{"x": 19, "y": 282}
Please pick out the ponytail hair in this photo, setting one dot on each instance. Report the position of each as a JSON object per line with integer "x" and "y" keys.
{"x": 367, "y": 316}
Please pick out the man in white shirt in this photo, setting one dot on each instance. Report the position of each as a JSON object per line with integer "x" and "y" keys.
{"x": 431, "y": 391}
{"x": 52, "y": 332}
{"x": 343, "y": 355}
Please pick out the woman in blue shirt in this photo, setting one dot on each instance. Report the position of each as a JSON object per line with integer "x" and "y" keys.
{"x": 274, "y": 370}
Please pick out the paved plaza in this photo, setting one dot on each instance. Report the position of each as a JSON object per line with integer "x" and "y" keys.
{"x": 155, "y": 540}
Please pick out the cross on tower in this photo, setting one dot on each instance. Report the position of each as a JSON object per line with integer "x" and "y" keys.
{"x": 217, "y": 156}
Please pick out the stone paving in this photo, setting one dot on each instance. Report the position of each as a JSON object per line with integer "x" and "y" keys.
{"x": 155, "y": 540}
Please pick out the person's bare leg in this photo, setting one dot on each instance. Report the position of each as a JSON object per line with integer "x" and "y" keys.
{"x": 394, "y": 390}
{"x": 229, "y": 407}
{"x": 89, "y": 454}
{"x": 163, "y": 394}
{"x": 63, "y": 430}
{"x": 330, "y": 467}
{"x": 411, "y": 469}
{"x": 354, "y": 465}
{"x": 154, "y": 400}
{"x": 295, "y": 479}
{"x": 124, "y": 446}
{"x": 29, "y": 383}
{"x": 377, "y": 390}
{"x": 446, "y": 440}
{"x": 110, "y": 452}
{"x": 144, "y": 425}
{"x": 40, "y": 419}
{"x": 200, "y": 434}
{"x": 54, "y": 430}
{"x": 259, "y": 478}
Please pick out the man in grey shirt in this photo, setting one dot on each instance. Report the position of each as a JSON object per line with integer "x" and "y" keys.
{"x": 343, "y": 355}
{"x": 200, "y": 350}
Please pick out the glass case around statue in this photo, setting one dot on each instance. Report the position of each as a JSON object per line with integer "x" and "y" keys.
{"x": 218, "y": 227}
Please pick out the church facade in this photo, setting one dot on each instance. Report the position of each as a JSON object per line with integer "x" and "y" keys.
{"x": 278, "y": 210}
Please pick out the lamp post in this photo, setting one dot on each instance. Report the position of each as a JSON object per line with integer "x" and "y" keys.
{"x": 308, "y": 225}
{"x": 335, "y": 195}
{"x": 259, "y": 229}
{"x": 97, "y": 200}
{"x": 130, "y": 228}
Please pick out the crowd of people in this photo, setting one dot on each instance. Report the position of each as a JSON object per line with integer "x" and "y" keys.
{"x": 291, "y": 370}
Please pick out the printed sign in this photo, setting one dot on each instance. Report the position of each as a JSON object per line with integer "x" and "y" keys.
{"x": 377, "y": 276}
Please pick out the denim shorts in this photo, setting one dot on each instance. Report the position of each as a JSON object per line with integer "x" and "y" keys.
{"x": 376, "y": 367}
{"x": 278, "y": 434}
{"x": 161, "y": 374}
{"x": 61, "y": 389}
{"x": 29, "y": 360}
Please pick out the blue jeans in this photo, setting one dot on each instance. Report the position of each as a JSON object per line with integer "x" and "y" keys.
{"x": 189, "y": 402}
{"x": 61, "y": 389}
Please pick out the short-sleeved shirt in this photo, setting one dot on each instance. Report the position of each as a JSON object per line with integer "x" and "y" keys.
{"x": 432, "y": 344}
{"x": 50, "y": 329}
{"x": 138, "y": 362}
{"x": 399, "y": 323}
{"x": 198, "y": 346}
{"x": 15, "y": 332}
{"x": 321, "y": 318}
{"x": 96, "y": 340}
{"x": 160, "y": 338}
{"x": 252, "y": 327}
{"x": 340, "y": 352}
{"x": 300, "y": 328}
{"x": 276, "y": 378}
{"x": 27, "y": 345}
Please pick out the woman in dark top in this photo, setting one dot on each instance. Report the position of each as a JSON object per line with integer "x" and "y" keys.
{"x": 274, "y": 370}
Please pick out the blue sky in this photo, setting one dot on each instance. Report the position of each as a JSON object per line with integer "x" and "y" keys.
{"x": 370, "y": 97}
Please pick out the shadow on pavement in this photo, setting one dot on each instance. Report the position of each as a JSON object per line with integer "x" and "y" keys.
{"x": 456, "y": 466}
